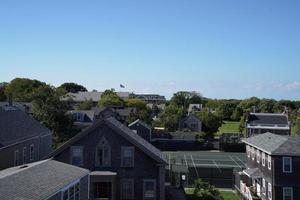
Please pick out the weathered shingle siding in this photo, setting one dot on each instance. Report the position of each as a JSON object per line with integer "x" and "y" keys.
{"x": 142, "y": 131}
{"x": 285, "y": 179}
{"x": 144, "y": 166}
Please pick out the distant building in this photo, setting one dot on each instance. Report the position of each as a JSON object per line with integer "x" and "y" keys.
{"x": 142, "y": 129}
{"x": 191, "y": 122}
{"x": 257, "y": 123}
{"x": 150, "y": 98}
{"x": 272, "y": 169}
{"x": 82, "y": 118}
{"x": 194, "y": 108}
{"x": 123, "y": 164}
{"x": 47, "y": 179}
{"x": 22, "y": 138}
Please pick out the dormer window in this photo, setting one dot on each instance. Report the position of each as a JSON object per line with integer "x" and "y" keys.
{"x": 258, "y": 156}
{"x": 103, "y": 154}
{"x": 287, "y": 164}
{"x": 269, "y": 162}
{"x": 263, "y": 160}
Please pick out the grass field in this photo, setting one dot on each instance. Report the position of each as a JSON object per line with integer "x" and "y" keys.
{"x": 229, "y": 127}
{"x": 227, "y": 195}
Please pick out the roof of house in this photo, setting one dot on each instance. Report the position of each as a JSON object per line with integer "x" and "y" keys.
{"x": 37, "y": 181}
{"x": 275, "y": 144}
{"x": 268, "y": 118}
{"x": 122, "y": 130}
{"x": 16, "y": 126}
{"x": 89, "y": 113}
{"x": 138, "y": 121}
{"x": 84, "y": 96}
{"x": 194, "y": 106}
{"x": 190, "y": 116}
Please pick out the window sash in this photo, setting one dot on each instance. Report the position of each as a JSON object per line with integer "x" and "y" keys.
{"x": 149, "y": 189}
{"x": 16, "y": 160}
{"x": 287, "y": 193}
{"x": 269, "y": 162}
{"x": 71, "y": 192}
{"x": 287, "y": 164}
{"x": 263, "y": 161}
{"x": 24, "y": 155}
{"x": 257, "y": 156}
{"x": 269, "y": 191}
{"x": 77, "y": 155}
{"x": 31, "y": 152}
{"x": 127, "y": 188}
{"x": 127, "y": 158}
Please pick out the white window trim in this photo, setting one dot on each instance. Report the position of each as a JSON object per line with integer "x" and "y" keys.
{"x": 100, "y": 144}
{"x": 269, "y": 190}
{"x": 291, "y": 167}
{"x": 66, "y": 188}
{"x": 263, "y": 160}
{"x": 73, "y": 147}
{"x": 258, "y": 156}
{"x": 31, "y": 154}
{"x": 253, "y": 153}
{"x": 269, "y": 162}
{"x": 16, "y": 158}
{"x": 283, "y": 192}
{"x": 149, "y": 180}
{"x": 264, "y": 189}
{"x": 123, "y": 148}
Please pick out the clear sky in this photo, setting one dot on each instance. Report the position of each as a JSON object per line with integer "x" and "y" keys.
{"x": 221, "y": 48}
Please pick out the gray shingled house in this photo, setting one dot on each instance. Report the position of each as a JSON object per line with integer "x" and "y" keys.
{"x": 257, "y": 123}
{"x": 22, "y": 138}
{"x": 142, "y": 129}
{"x": 191, "y": 122}
{"x": 47, "y": 179}
{"x": 273, "y": 168}
{"x": 123, "y": 164}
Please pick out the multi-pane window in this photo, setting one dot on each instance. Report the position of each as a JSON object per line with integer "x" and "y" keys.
{"x": 24, "y": 155}
{"x": 264, "y": 186}
{"x": 287, "y": 193}
{"x": 149, "y": 188}
{"x": 16, "y": 160}
{"x": 287, "y": 164}
{"x": 127, "y": 158}
{"x": 72, "y": 192}
{"x": 77, "y": 155}
{"x": 269, "y": 162}
{"x": 253, "y": 153}
{"x": 269, "y": 191}
{"x": 103, "y": 154}
{"x": 31, "y": 152}
{"x": 127, "y": 189}
{"x": 257, "y": 156}
{"x": 263, "y": 160}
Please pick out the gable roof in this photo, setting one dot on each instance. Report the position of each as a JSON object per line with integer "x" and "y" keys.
{"x": 122, "y": 130}
{"x": 190, "y": 116}
{"x": 16, "y": 126}
{"x": 275, "y": 144}
{"x": 268, "y": 118}
{"x": 138, "y": 121}
{"x": 89, "y": 113}
{"x": 39, "y": 180}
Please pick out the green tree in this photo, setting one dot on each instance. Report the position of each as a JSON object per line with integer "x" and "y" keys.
{"x": 296, "y": 124}
{"x": 109, "y": 98}
{"x": 184, "y": 98}
{"x": 2, "y": 91}
{"x": 247, "y": 104}
{"x": 205, "y": 191}
{"x": 267, "y": 105}
{"x": 210, "y": 122}
{"x": 171, "y": 116}
{"x": 73, "y": 87}
{"x": 142, "y": 111}
{"x": 86, "y": 105}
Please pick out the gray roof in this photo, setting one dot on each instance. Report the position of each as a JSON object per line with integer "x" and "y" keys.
{"x": 253, "y": 172}
{"x": 125, "y": 132}
{"x": 138, "y": 121}
{"x": 94, "y": 96}
{"x": 16, "y": 126}
{"x": 274, "y": 144}
{"x": 38, "y": 180}
{"x": 268, "y": 118}
{"x": 89, "y": 113}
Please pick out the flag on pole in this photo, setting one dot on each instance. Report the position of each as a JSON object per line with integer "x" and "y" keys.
{"x": 122, "y": 86}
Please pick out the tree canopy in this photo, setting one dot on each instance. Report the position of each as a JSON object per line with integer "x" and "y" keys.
{"x": 73, "y": 87}
{"x": 109, "y": 98}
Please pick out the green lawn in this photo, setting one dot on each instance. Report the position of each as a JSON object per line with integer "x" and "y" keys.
{"x": 227, "y": 195}
{"x": 229, "y": 127}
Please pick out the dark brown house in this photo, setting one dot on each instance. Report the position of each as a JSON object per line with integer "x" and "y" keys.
{"x": 273, "y": 168}
{"x": 123, "y": 165}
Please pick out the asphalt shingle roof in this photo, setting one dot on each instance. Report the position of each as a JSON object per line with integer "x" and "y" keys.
{"x": 275, "y": 144}
{"x": 268, "y": 118}
{"x": 38, "y": 181}
{"x": 141, "y": 123}
{"x": 15, "y": 126}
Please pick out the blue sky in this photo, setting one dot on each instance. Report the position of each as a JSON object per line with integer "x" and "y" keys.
{"x": 220, "y": 48}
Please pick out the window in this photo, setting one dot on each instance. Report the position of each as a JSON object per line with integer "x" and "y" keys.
{"x": 287, "y": 193}
{"x": 72, "y": 192}
{"x": 149, "y": 188}
{"x": 257, "y": 156}
{"x": 269, "y": 162}
{"x": 24, "y": 155}
{"x": 31, "y": 152}
{"x": 263, "y": 161}
{"x": 16, "y": 161}
{"x": 287, "y": 164}
{"x": 127, "y": 189}
{"x": 77, "y": 155}
{"x": 103, "y": 153}
{"x": 269, "y": 191}
{"x": 127, "y": 158}
{"x": 263, "y": 186}
{"x": 253, "y": 153}
{"x": 248, "y": 151}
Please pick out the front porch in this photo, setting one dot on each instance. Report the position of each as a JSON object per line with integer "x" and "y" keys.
{"x": 102, "y": 185}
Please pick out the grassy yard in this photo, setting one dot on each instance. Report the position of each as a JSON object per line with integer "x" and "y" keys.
{"x": 227, "y": 195}
{"x": 229, "y": 127}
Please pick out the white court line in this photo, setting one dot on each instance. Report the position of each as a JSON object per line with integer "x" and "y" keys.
{"x": 169, "y": 162}
{"x": 217, "y": 166}
{"x": 185, "y": 161}
{"x": 194, "y": 166}
{"x": 240, "y": 160}
{"x": 235, "y": 162}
